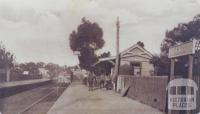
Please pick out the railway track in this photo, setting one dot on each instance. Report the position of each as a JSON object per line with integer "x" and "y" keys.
{"x": 35, "y": 107}
{"x": 36, "y": 101}
{"x": 38, "y": 106}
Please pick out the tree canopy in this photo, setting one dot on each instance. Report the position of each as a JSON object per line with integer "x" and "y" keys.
{"x": 6, "y": 57}
{"x": 87, "y": 39}
{"x": 161, "y": 65}
{"x": 183, "y": 32}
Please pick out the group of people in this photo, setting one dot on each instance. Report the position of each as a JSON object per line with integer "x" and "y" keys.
{"x": 102, "y": 81}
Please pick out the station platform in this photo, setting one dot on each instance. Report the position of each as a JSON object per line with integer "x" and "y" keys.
{"x": 76, "y": 99}
{"x": 11, "y": 88}
{"x": 19, "y": 83}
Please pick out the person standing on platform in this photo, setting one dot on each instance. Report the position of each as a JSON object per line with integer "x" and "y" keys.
{"x": 102, "y": 81}
{"x": 108, "y": 82}
{"x": 71, "y": 75}
{"x": 85, "y": 78}
{"x": 90, "y": 81}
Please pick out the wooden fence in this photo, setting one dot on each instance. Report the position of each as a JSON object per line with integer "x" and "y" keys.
{"x": 151, "y": 90}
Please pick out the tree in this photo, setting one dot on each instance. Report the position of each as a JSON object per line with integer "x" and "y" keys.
{"x": 6, "y": 58}
{"x": 31, "y": 67}
{"x": 87, "y": 39}
{"x": 40, "y": 64}
{"x": 161, "y": 65}
{"x": 53, "y": 69}
{"x": 182, "y": 33}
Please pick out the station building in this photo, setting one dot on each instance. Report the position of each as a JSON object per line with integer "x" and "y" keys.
{"x": 133, "y": 61}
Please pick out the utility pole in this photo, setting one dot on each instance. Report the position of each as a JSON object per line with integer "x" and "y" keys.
{"x": 117, "y": 62}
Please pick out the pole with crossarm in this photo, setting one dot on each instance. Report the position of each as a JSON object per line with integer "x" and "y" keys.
{"x": 116, "y": 71}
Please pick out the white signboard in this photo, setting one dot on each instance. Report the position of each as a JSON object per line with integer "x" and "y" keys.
{"x": 182, "y": 49}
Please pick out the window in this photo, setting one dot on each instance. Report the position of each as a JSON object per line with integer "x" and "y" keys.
{"x": 136, "y": 68}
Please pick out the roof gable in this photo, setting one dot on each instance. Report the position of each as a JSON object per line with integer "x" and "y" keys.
{"x": 136, "y": 50}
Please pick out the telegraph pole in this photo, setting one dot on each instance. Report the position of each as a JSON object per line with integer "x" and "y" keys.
{"x": 117, "y": 54}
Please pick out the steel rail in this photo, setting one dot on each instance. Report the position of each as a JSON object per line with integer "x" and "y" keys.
{"x": 36, "y": 102}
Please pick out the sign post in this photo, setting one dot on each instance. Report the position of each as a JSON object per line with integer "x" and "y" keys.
{"x": 187, "y": 49}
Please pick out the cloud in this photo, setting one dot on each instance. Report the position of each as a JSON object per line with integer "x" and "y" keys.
{"x": 38, "y": 30}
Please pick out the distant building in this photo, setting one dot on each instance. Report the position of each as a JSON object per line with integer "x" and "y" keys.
{"x": 133, "y": 61}
{"x": 25, "y": 73}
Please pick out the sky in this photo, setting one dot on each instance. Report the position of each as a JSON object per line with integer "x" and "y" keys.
{"x": 38, "y": 30}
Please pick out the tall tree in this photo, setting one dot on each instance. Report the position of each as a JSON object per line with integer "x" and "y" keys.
{"x": 6, "y": 58}
{"x": 181, "y": 33}
{"x": 87, "y": 39}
